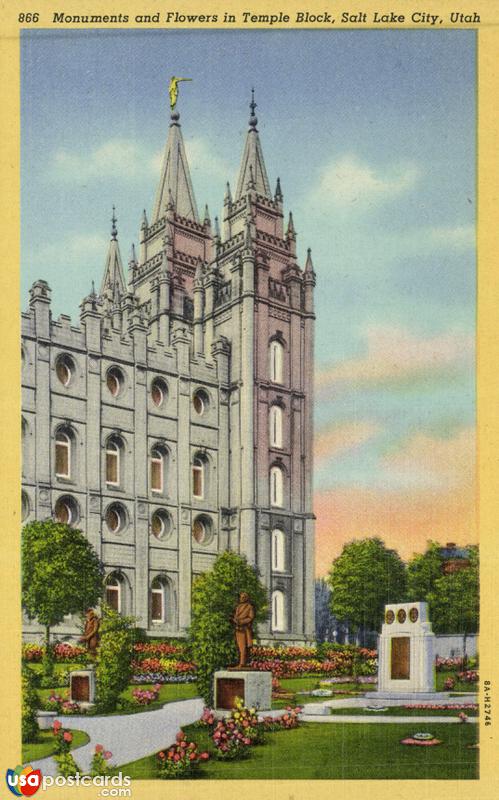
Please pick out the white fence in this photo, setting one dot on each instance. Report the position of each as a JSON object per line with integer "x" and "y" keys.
{"x": 451, "y": 644}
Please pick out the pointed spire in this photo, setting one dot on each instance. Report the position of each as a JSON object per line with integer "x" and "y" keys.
{"x": 207, "y": 220}
{"x": 309, "y": 267}
{"x": 114, "y": 229}
{"x": 92, "y": 291}
{"x": 252, "y": 160}
{"x": 278, "y": 191}
{"x": 175, "y": 177}
{"x": 291, "y": 228}
{"x": 145, "y": 223}
{"x": 228, "y": 195}
{"x": 113, "y": 278}
{"x": 217, "y": 228}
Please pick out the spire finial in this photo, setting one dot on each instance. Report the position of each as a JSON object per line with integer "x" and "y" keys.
{"x": 278, "y": 190}
{"x": 93, "y": 293}
{"x": 253, "y": 121}
{"x": 114, "y": 229}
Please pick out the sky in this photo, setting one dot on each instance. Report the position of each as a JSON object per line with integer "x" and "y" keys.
{"x": 372, "y": 134}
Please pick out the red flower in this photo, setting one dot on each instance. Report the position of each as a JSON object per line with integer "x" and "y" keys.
{"x": 192, "y": 756}
{"x": 99, "y": 748}
{"x": 204, "y": 756}
{"x": 68, "y": 736}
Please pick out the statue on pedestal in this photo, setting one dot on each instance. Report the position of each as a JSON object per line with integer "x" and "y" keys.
{"x": 244, "y": 614}
{"x": 91, "y": 636}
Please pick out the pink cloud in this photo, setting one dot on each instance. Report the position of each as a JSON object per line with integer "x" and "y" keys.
{"x": 334, "y": 440}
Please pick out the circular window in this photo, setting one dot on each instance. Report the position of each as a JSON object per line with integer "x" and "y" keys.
{"x": 202, "y": 529}
{"x": 161, "y": 524}
{"x": 159, "y": 392}
{"x": 413, "y": 614}
{"x": 114, "y": 381}
{"x": 24, "y": 506}
{"x": 401, "y": 616}
{"x": 64, "y": 369}
{"x": 200, "y": 402}
{"x": 116, "y": 518}
{"x": 66, "y": 510}
{"x": 389, "y": 617}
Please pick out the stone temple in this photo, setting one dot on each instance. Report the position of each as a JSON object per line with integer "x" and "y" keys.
{"x": 176, "y": 420}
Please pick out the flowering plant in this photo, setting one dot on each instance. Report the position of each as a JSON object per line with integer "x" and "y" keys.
{"x": 166, "y": 666}
{"x": 70, "y": 708}
{"x": 462, "y": 717}
{"x": 181, "y": 760}
{"x": 247, "y": 722}
{"x": 99, "y": 765}
{"x": 449, "y": 683}
{"x": 160, "y": 677}
{"x": 290, "y": 719}
{"x": 207, "y": 718}
{"x": 54, "y": 702}
{"x": 444, "y": 706}
{"x": 143, "y": 697}
{"x": 32, "y": 652}
{"x": 230, "y": 742}
{"x": 63, "y": 737}
{"x": 469, "y": 676}
{"x": 158, "y": 649}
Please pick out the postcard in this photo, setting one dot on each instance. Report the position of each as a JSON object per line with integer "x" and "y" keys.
{"x": 250, "y": 334}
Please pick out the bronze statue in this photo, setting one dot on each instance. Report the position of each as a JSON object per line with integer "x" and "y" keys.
{"x": 173, "y": 90}
{"x": 243, "y": 617}
{"x": 91, "y": 632}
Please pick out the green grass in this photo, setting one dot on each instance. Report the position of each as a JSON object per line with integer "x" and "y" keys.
{"x": 169, "y": 693}
{"x": 339, "y": 751}
{"x": 298, "y": 685}
{"x": 45, "y": 746}
{"x": 400, "y": 711}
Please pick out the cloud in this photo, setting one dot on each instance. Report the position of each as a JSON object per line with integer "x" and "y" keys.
{"x": 73, "y": 248}
{"x": 348, "y": 182}
{"x": 335, "y": 440}
{"x": 394, "y": 354}
{"x": 404, "y": 520}
{"x": 115, "y": 157}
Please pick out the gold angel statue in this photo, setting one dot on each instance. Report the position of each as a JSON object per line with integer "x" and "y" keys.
{"x": 173, "y": 90}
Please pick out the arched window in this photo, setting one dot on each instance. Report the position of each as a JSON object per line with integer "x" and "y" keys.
{"x": 157, "y": 470}
{"x": 200, "y": 401}
{"x": 278, "y": 611}
{"x": 62, "y": 454}
{"x": 199, "y": 477}
{"x": 159, "y": 391}
{"x": 114, "y": 447}
{"x": 66, "y": 510}
{"x": 161, "y": 524}
{"x": 278, "y": 550}
{"x": 65, "y": 369}
{"x": 158, "y": 600}
{"x": 276, "y": 487}
{"x": 116, "y": 518}
{"x": 115, "y": 381}
{"x": 202, "y": 529}
{"x": 275, "y": 426}
{"x": 114, "y": 592}
{"x": 276, "y": 353}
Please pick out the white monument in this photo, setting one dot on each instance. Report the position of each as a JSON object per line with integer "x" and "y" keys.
{"x": 253, "y": 687}
{"x": 406, "y": 653}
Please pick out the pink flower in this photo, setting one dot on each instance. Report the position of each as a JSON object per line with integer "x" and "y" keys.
{"x": 107, "y": 755}
{"x": 68, "y": 736}
{"x": 99, "y": 748}
{"x": 204, "y": 756}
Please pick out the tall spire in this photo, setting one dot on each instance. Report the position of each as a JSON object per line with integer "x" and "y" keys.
{"x": 252, "y": 160}
{"x": 175, "y": 177}
{"x": 113, "y": 278}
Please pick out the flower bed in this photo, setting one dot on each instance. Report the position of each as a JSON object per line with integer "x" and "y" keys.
{"x": 165, "y": 666}
{"x": 181, "y": 760}
{"x": 444, "y": 706}
{"x": 469, "y": 676}
{"x": 144, "y": 697}
{"x": 62, "y": 652}
{"x": 158, "y": 650}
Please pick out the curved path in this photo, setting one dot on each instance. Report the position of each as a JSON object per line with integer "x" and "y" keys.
{"x": 127, "y": 736}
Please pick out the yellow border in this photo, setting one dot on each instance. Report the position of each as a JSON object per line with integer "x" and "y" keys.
{"x": 488, "y": 384}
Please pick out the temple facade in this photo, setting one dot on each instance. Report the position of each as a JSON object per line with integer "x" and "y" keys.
{"x": 176, "y": 420}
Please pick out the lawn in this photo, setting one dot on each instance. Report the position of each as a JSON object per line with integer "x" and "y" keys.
{"x": 169, "y": 693}
{"x": 45, "y": 746}
{"x": 339, "y": 751}
{"x": 400, "y": 711}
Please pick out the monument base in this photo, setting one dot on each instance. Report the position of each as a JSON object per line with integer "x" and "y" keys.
{"x": 254, "y": 688}
{"x": 412, "y": 697}
{"x": 82, "y": 687}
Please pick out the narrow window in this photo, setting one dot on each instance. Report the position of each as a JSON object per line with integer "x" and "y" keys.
{"x": 276, "y": 426}
{"x": 276, "y": 487}
{"x": 278, "y": 615}
{"x": 113, "y": 593}
{"x": 113, "y": 463}
{"x": 278, "y": 555}
{"x": 158, "y": 601}
{"x": 276, "y": 361}
{"x": 62, "y": 455}
{"x": 157, "y": 470}
{"x": 198, "y": 478}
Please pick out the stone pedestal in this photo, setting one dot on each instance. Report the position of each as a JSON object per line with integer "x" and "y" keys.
{"x": 254, "y": 688}
{"x": 406, "y": 652}
{"x": 82, "y": 687}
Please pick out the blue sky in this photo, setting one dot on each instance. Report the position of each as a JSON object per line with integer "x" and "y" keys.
{"x": 373, "y": 136}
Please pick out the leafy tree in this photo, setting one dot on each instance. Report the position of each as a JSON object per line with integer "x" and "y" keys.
{"x": 114, "y": 658}
{"x": 30, "y": 704}
{"x": 423, "y": 570}
{"x": 214, "y": 596}
{"x": 365, "y": 577}
{"x": 61, "y": 574}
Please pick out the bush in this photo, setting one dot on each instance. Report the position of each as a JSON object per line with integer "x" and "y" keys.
{"x": 144, "y": 697}
{"x": 214, "y": 597}
{"x": 63, "y": 738}
{"x": 181, "y": 760}
{"x": 99, "y": 765}
{"x": 66, "y": 765}
{"x": 113, "y": 669}
{"x": 30, "y": 705}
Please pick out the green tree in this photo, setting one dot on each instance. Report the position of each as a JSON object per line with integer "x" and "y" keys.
{"x": 114, "y": 657}
{"x": 363, "y": 578}
{"x": 214, "y": 596}
{"x": 423, "y": 569}
{"x": 61, "y": 574}
{"x": 30, "y": 704}
{"x": 453, "y": 598}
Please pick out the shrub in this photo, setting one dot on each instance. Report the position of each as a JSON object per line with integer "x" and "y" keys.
{"x": 449, "y": 684}
{"x": 247, "y": 721}
{"x": 32, "y": 653}
{"x": 99, "y": 765}
{"x": 113, "y": 670}
{"x": 54, "y": 703}
{"x": 214, "y": 597}
{"x": 469, "y": 676}
{"x": 30, "y": 705}
{"x": 230, "y": 741}
{"x": 144, "y": 697}
{"x": 181, "y": 760}
{"x": 66, "y": 765}
{"x": 63, "y": 738}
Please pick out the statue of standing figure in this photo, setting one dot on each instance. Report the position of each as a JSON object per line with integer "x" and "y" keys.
{"x": 244, "y": 614}
{"x": 91, "y": 636}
